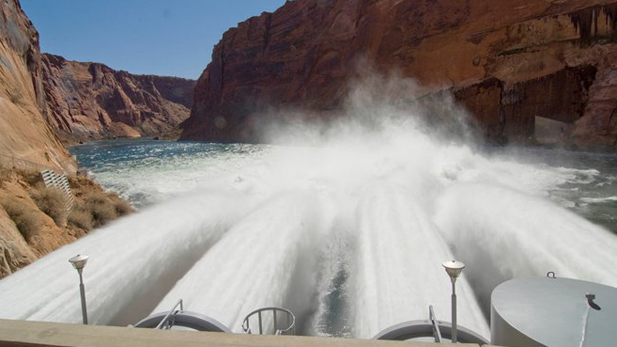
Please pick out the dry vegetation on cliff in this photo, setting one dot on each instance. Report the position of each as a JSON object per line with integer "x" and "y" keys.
{"x": 94, "y": 207}
{"x": 34, "y": 220}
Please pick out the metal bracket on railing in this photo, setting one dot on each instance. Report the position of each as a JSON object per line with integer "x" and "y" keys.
{"x": 288, "y": 329}
{"x": 163, "y": 324}
{"x": 433, "y": 319}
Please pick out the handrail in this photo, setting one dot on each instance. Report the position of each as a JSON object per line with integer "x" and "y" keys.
{"x": 290, "y": 318}
{"x": 14, "y": 162}
{"x": 186, "y": 319}
{"x": 166, "y": 318}
{"x": 433, "y": 318}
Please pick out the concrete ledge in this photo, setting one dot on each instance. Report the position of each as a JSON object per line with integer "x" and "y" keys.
{"x": 34, "y": 334}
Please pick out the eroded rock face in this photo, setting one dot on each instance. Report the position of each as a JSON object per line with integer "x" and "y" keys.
{"x": 44, "y": 236}
{"x": 506, "y": 61}
{"x": 24, "y": 134}
{"x": 14, "y": 249}
{"x": 88, "y": 101}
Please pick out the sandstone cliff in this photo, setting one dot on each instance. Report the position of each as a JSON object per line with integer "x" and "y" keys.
{"x": 508, "y": 62}
{"x": 90, "y": 101}
{"x": 24, "y": 134}
{"x": 32, "y": 219}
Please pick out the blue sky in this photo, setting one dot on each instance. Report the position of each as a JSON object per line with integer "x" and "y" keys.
{"x": 159, "y": 37}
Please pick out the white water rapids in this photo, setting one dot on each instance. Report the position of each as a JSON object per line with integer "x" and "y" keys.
{"x": 350, "y": 234}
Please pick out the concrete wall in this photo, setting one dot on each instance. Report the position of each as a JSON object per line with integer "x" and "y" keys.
{"x": 31, "y": 334}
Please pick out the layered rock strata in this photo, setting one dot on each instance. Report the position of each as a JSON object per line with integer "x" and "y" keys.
{"x": 506, "y": 61}
{"x": 90, "y": 101}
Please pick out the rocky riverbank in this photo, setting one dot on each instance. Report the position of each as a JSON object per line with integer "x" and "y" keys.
{"x": 34, "y": 219}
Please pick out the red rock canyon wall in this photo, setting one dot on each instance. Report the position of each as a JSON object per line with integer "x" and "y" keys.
{"x": 24, "y": 134}
{"x": 507, "y": 62}
{"x": 90, "y": 101}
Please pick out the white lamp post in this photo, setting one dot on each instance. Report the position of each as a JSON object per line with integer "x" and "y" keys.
{"x": 79, "y": 262}
{"x": 454, "y": 269}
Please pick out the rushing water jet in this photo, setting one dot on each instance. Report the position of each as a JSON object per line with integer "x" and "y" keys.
{"x": 254, "y": 263}
{"x": 349, "y": 233}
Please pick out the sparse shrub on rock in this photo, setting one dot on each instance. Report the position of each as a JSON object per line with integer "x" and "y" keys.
{"x": 101, "y": 209}
{"x": 122, "y": 207}
{"x": 53, "y": 202}
{"x": 25, "y": 219}
{"x": 80, "y": 218}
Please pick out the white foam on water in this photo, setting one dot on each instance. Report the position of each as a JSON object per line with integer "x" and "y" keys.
{"x": 151, "y": 179}
{"x": 599, "y": 200}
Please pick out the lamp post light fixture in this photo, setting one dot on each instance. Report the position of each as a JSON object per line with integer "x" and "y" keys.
{"x": 79, "y": 262}
{"x": 454, "y": 269}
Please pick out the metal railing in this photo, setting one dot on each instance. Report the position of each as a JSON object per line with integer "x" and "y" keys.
{"x": 283, "y": 321}
{"x": 434, "y": 323}
{"x": 165, "y": 322}
{"x": 11, "y": 162}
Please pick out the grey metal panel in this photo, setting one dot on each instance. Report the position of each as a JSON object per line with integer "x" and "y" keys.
{"x": 507, "y": 335}
{"x": 554, "y": 312}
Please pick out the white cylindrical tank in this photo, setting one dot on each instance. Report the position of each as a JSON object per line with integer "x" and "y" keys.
{"x": 553, "y": 312}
